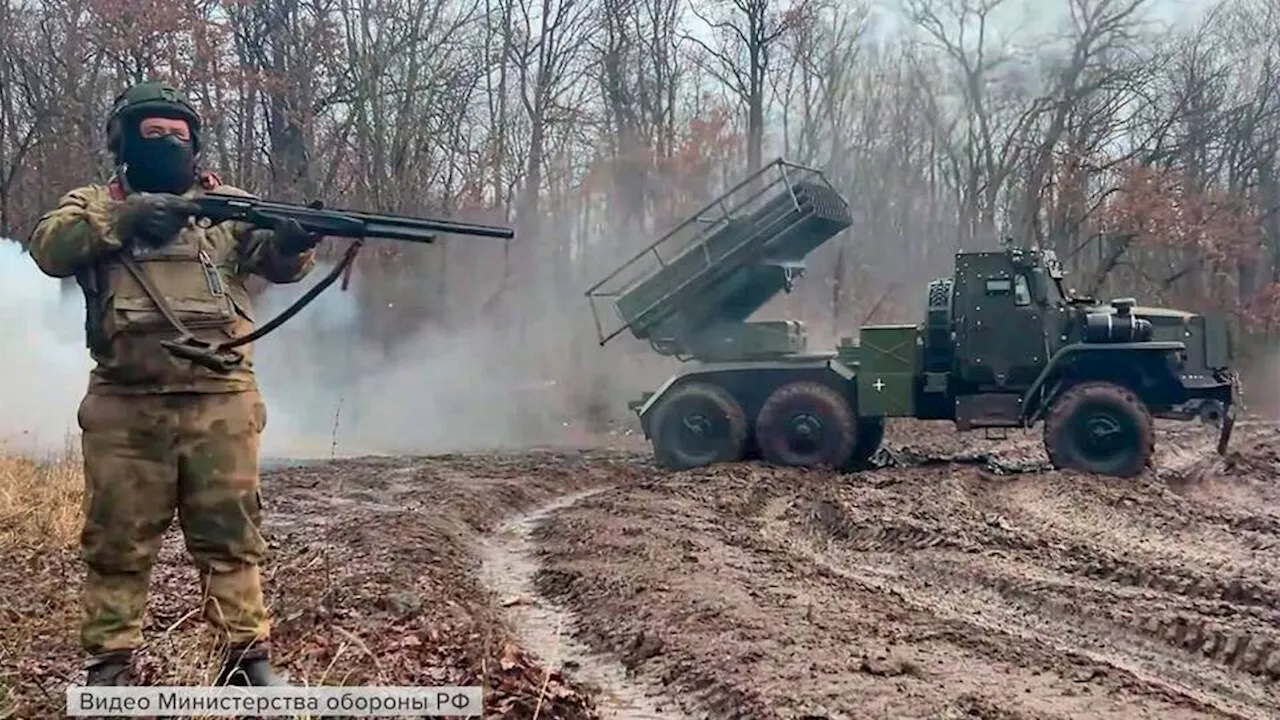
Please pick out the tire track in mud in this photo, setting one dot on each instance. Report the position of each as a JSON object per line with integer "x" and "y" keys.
{"x": 935, "y": 591}
{"x": 1065, "y": 581}
{"x": 987, "y": 599}
{"x": 1187, "y": 625}
{"x": 1041, "y": 534}
{"x": 410, "y": 537}
{"x": 508, "y": 569}
{"x": 1091, "y": 622}
{"x": 840, "y": 641}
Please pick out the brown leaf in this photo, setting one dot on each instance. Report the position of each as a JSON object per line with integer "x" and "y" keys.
{"x": 510, "y": 656}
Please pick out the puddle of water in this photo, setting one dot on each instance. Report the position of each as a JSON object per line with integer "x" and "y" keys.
{"x": 544, "y": 628}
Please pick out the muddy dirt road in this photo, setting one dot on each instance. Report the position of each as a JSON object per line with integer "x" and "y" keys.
{"x": 939, "y": 592}
{"x": 589, "y": 584}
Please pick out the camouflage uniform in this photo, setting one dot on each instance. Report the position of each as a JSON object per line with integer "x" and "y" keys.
{"x": 161, "y": 433}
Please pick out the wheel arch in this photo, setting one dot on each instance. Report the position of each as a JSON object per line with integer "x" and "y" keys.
{"x": 1141, "y": 367}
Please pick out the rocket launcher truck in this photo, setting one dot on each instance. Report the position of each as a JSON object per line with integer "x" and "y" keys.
{"x": 1003, "y": 344}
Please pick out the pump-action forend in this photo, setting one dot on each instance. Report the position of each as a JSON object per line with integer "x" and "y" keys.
{"x": 314, "y": 218}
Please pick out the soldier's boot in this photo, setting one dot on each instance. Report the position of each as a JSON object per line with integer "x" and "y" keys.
{"x": 110, "y": 668}
{"x": 251, "y": 667}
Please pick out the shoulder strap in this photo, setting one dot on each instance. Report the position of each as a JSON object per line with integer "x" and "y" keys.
{"x": 91, "y": 281}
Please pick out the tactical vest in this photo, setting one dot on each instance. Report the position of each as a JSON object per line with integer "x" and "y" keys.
{"x": 197, "y": 275}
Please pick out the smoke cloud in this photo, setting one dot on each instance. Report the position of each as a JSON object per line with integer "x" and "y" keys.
{"x": 327, "y": 391}
{"x": 442, "y": 390}
{"x": 45, "y": 368}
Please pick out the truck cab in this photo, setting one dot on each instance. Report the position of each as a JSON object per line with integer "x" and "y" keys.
{"x": 1007, "y": 317}
{"x": 1010, "y": 318}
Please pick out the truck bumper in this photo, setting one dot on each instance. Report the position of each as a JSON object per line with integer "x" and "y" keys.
{"x": 636, "y": 405}
{"x": 1213, "y": 399}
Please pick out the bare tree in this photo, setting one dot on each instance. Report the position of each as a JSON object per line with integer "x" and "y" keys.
{"x": 746, "y": 39}
{"x": 997, "y": 105}
{"x": 545, "y": 48}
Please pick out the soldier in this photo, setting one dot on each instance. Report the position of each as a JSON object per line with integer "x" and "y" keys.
{"x": 160, "y": 432}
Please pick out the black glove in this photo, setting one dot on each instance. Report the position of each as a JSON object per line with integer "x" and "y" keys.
{"x": 152, "y": 219}
{"x": 292, "y": 238}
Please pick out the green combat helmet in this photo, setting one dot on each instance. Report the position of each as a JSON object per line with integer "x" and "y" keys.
{"x": 153, "y": 98}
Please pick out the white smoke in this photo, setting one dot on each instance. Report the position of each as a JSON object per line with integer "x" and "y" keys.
{"x": 45, "y": 365}
{"x": 440, "y": 391}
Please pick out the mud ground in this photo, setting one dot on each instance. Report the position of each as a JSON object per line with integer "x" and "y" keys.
{"x": 372, "y": 579}
{"x": 963, "y": 580}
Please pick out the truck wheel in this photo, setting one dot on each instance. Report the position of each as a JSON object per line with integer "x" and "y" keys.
{"x": 870, "y": 435}
{"x": 1099, "y": 427}
{"x": 698, "y": 424}
{"x": 806, "y": 424}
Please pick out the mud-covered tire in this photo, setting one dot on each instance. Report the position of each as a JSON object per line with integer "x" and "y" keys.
{"x": 806, "y": 424}
{"x": 870, "y": 435}
{"x": 698, "y": 424}
{"x": 1101, "y": 428}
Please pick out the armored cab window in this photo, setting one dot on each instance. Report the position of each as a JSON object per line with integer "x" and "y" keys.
{"x": 999, "y": 286}
{"x": 1021, "y": 291}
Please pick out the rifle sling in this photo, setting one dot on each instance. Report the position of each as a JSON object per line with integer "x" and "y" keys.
{"x": 222, "y": 357}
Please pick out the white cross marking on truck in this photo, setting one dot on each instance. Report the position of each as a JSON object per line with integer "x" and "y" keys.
{"x": 878, "y": 385}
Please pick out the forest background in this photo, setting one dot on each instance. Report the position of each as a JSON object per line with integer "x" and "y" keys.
{"x": 1140, "y": 139}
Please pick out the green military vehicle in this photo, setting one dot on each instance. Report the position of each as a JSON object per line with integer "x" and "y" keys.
{"x": 1003, "y": 344}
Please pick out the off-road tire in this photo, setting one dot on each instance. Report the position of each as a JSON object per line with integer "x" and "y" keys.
{"x": 870, "y": 435}
{"x": 837, "y": 438}
{"x": 725, "y": 416}
{"x": 1102, "y": 402}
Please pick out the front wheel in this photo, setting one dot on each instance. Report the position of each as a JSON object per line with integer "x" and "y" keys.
{"x": 698, "y": 424}
{"x": 806, "y": 424}
{"x": 1102, "y": 428}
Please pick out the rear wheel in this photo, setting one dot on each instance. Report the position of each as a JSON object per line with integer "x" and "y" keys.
{"x": 1102, "y": 428}
{"x": 698, "y": 424}
{"x": 806, "y": 424}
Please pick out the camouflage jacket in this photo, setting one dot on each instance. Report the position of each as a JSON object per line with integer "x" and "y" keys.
{"x": 201, "y": 274}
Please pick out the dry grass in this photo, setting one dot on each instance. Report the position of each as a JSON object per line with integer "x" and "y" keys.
{"x": 40, "y": 501}
{"x": 40, "y": 512}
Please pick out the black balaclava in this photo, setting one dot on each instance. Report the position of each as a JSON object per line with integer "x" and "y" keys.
{"x": 164, "y": 164}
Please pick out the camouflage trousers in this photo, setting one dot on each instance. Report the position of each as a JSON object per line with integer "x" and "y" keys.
{"x": 145, "y": 457}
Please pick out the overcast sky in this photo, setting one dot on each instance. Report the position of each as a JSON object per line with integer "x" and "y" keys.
{"x": 1046, "y": 15}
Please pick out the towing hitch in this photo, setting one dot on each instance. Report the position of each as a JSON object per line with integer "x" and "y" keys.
{"x": 1229, "y": 416}
{"x": 1224, "y": 435}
